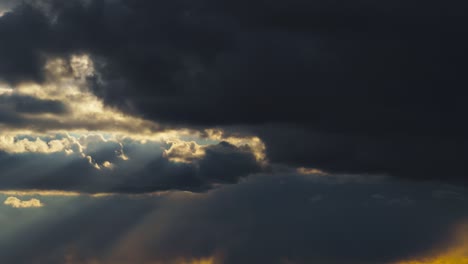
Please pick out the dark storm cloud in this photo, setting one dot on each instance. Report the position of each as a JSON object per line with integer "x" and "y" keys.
{"x": 145, "y": 171}
{"x": 24, "y": 33}
{"x": 380, "y": 83}
{"x": 303, "y": 220}
{"x": 420, "y": 157}
{"x": 7, "y": 5}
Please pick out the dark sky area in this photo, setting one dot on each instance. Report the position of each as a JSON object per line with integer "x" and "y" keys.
{"x": 235, "y": 131}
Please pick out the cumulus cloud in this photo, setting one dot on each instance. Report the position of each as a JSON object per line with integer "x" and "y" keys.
{"x": 92, "y": 164}
{"x": 17, "y": 203}
{"x": 13, "y": 144}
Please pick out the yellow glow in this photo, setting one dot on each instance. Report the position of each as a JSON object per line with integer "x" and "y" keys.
{"x": 456, "y": 254}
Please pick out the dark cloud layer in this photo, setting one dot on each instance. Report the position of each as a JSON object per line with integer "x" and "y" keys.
{"x": 31, "y": 105}
{"x": 302, "y": 220}
{"x": 378, "y": 85}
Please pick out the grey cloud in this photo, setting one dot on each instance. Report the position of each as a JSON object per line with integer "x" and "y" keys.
{"x": 256, "y": 221}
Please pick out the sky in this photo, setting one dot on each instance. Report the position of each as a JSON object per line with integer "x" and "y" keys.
{"x": 227, "y": 132}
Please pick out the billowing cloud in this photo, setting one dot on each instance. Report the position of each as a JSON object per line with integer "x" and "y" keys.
{"x": 17, "y": 203}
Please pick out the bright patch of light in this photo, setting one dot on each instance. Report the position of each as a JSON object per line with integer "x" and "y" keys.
{"x": 5, "y": 91}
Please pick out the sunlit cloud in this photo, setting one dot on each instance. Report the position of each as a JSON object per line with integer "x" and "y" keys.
{"x": 255, "y": 143}
{"x": 67, "y": 82}
{"x": 59, "y": 193}
{"x": 17, "y": 203}
{"x": 184, "y": 152}
{"x": 313, "y": 171}
{"x": 38, "y": 193}
{"x": 12, "y": 144}
{"x": 88, "y": 118}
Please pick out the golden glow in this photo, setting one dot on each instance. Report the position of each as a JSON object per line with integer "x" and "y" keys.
{"x": 456, "y": 254}
{"x": 307, "y": 171}
{"x": 210, "y": 260}
{"x": 58, "y": 193}
{"x": 72, "y": 260}
{"x": 38, "y": 193}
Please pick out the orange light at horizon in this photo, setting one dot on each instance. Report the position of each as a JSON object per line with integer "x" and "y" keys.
{"x": 456, "y": 254}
